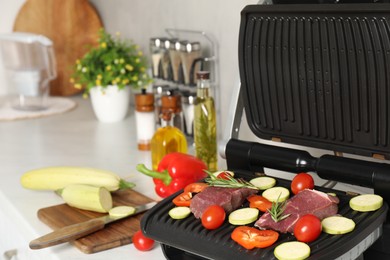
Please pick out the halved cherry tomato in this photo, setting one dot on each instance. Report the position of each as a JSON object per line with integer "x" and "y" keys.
{"x": 307, "y": 228}
{"x": 142, "y": 242}
{"x": 250, "y": 237}
{"x": 183, "y": 199}
{"x": 213, "y": 217}
{"x": 195, "y": 187}
{"x": 259, "y": 202}
{"x": 302, "y": 181}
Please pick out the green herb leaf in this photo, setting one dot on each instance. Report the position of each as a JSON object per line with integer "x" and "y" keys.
{"x": 230, "y": 182}
{"x": 277, "y": 210}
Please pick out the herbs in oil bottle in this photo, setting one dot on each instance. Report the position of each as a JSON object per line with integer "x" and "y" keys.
{"x": 205, "y": 127}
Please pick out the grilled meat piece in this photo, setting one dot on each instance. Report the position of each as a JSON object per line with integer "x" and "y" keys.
{"x": 228, "y": 198}
{"x": 305, "y": 202}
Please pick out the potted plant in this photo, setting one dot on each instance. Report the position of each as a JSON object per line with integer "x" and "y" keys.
{"x": 108, "y": 72}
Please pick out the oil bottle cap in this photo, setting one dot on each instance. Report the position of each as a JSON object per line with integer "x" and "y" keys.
{"x": 203, "y": 75}
{"x": 144, "y": 102}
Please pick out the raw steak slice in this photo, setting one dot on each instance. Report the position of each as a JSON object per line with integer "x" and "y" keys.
{"x": 228, "y": 198}
{"x": 305, "y": 202}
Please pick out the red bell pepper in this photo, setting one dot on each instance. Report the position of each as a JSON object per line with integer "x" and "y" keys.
{"x": 174, "y": 172}
{"x": 250, "y": 237}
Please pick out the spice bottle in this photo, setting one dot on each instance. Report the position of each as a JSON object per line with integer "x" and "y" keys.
{"x": 205, "y": 129}
{"x": 144, "y": 117}
{"x": 167, "y": 139}
{"x": 190, "y": 52}
{"x": 172, "y": 102}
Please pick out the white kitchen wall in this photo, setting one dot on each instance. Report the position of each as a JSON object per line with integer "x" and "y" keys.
{"x": 140, "y": 20}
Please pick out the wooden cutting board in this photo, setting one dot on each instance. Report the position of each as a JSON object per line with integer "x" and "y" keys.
{"x": 113, "y": 235}
{"x": 72, "y": 25}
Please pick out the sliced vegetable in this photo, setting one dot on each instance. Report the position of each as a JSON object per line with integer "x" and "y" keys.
{"x": 55, "y": 178}
{"x": 274, "y": 194}
{"x": 183, "y": 199}
{"x": 293, "y": 250}
{"x": 308, "y": 228}
{"x": 213, "y": 217}
{"x": 263, "y": 182}
{"x": 259, "y": 202}
{"x": 337, "y": 225}
{"x": 302, "y": 181}
{"x": 121, "y": 211}
{"x": 366, "y": 202}
{"x": 223, "y": 174}
{"x": 141, "y": 242}
{"x": 179, "y": 212}
{"x": 250, "y": 237}
{"x": 87, "y": 197}
{"x": 196, "y": 187}
{"x": 243, "y": 216}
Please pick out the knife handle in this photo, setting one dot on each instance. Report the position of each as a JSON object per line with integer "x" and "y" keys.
{"x": 68, "y": 233}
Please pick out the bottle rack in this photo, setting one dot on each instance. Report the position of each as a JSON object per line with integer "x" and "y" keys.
{"x": 209, "y": 51}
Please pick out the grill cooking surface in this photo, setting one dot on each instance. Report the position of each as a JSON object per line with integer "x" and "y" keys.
{"x": 189, "y": 234}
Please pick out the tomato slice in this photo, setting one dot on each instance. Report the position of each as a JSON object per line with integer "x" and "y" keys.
{"x": 259, "y": 202}
{"x": 183, "y": 199}
{"x": 250, "y": 237}
{"x": 195, "y": 187}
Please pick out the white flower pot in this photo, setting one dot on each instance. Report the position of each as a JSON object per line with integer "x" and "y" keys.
{"x": 110, "y": 104}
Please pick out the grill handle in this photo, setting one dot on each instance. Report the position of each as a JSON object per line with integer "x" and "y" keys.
{"x": 253, "y": 157}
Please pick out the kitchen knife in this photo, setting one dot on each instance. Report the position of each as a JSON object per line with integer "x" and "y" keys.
{"x": 78, "y": 230}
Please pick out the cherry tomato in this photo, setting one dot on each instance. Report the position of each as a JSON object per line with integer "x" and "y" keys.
{"x": 195, "y": 187}
{"x": 259, "y": 202}
{"x": 302, "y": 181}
{"x": 307, "y": 228}
{"x": 224, "y": 175}
{"x": 141, "y": 242}
{"x": 250, "y": 237}
{"x": 213, "y": 217}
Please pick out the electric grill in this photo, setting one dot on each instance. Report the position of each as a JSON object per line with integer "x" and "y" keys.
{"x": 315, "y": 76}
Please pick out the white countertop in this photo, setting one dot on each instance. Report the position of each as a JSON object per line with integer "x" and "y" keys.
{"x": 74, "y": 138}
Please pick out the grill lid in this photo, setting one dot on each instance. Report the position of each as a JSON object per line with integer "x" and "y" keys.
{"x": 318, "y": 75}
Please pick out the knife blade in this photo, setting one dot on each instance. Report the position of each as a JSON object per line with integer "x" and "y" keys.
{"x": 78, "y": 230}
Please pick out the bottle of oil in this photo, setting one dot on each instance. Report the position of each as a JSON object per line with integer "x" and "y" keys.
{"x": 167, "y": 139}
{"x": 205, "y": 127}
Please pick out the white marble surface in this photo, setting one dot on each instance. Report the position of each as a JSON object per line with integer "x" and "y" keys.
{"x": 74, "y": 138}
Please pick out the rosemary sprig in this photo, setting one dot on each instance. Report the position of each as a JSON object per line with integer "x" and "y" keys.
{"x": 230, "y": 182}
{"x": 277, "y": 210}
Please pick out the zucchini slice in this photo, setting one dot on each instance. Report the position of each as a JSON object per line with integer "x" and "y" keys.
{"x": 243, "y": 216}
{"x": 274, "y": 194}
{"x": 337, "y": 225}
{"x": 179, "y": 212}
{"x": 293, "y": 250}
{"x": 121, "y": 211}
{"x": 263, "y": 182}
{"x": 366, "y": 202}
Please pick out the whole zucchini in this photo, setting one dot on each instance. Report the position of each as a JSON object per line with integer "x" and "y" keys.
{"x": 55, "y": 178}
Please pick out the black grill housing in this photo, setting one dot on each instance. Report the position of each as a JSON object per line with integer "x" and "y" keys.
{"x": 311, "y": 75}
